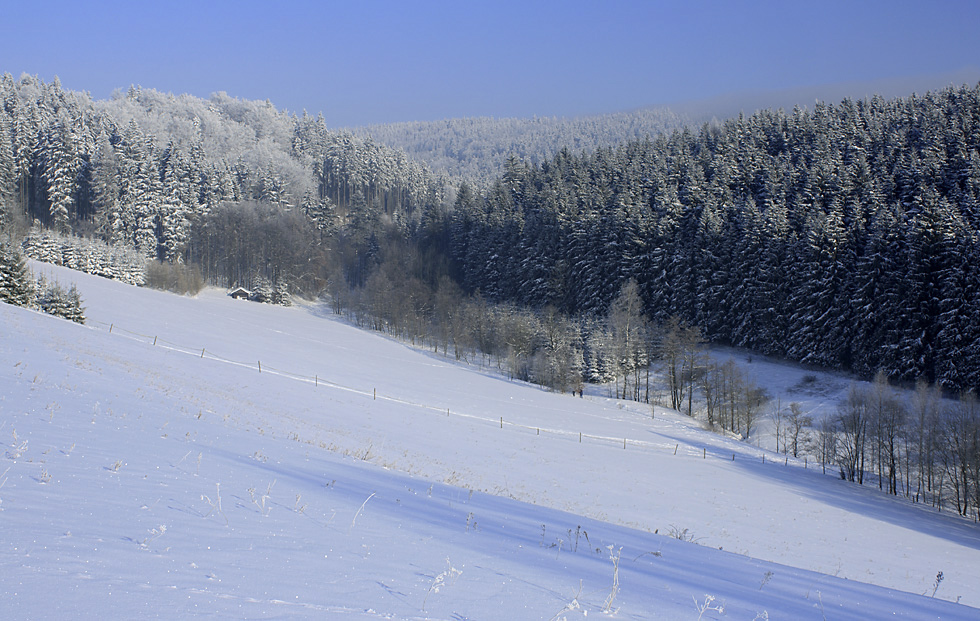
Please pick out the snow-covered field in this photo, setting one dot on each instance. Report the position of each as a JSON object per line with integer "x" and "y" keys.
{"x": 149, "y": 468}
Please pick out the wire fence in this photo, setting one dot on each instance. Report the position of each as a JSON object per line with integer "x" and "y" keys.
{"x": 675, "y": 448}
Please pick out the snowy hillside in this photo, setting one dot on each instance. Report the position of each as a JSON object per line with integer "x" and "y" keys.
{"x": 205, "y": 456}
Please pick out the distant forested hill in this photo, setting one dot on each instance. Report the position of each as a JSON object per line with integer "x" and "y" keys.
{"x": 845, "y": 236}
{"x": 476, "y": 149}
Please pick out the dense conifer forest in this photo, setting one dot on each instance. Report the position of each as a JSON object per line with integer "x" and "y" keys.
{"x": 843, "y": 236}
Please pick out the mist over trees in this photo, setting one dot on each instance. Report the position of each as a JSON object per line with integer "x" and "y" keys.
{"x": 476, "y": 148}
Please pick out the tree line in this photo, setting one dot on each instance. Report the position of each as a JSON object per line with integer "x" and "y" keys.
{"x": 19, "y": 288}
{"x": 843, "y": 237}
{"x": 665, "y": 364}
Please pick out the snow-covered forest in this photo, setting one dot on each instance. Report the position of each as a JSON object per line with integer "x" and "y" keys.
{"x": 158, "y": 172}
{"x": 203, "y": 456}
{"x": 843, "y": 237}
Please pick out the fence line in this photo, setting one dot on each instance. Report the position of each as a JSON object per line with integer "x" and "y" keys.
{"x": 318, "y": 380}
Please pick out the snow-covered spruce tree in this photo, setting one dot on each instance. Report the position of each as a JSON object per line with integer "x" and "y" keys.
{"x": 261, "y": 290}
{"x": 54, "y": 300}
{"x": 60, "y": 173}
{"x": 74, "y": 311}
{"x": 181, "y": 204}
{"x": 141, "y": 190}
{"x": 15, "y": 282}
{"x": 599, "y": 358}
{"x": 280, "y": 294}
{"x": 40, "y": 246}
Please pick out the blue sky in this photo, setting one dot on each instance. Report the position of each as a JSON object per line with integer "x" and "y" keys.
{"x": 361, "y": 62}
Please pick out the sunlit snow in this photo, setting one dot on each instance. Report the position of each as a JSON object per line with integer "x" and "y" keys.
{"x": 149, "y": 468}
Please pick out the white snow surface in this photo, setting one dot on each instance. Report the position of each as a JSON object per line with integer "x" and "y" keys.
{"x": 148, "y": 468}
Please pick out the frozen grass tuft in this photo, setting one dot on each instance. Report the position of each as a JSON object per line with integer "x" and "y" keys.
{"x": 614, "y": 557}
{"x": 683, "y": 535}
{"x": 216, "y": 503}
{"x": 354, "y": 521}
{"x": 446, "y": 578}
{"x": 261, "y": 501}
{"x": 570, "y": 606}
{"x": 766, "y": 577}
{"x": 707, "y": 605}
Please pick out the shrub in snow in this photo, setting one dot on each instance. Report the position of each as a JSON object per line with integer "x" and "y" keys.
{"x": 177, "y": 278}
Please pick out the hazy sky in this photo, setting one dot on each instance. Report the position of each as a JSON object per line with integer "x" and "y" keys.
{"x": 362, "y": 61}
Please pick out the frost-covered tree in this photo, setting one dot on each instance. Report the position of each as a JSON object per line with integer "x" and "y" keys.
{"x": 629, "y": 327}
{"x": 558, "y": 363}
{"x": 61, "y": 169}
{"x": 105, "y": 178}
{"x": 141, "y": 191}
{"x": 15, "y": 280}
{"x": 53, "y": 299}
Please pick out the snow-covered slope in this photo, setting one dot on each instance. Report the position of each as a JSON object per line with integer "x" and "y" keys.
{"x": 149, "y": 468}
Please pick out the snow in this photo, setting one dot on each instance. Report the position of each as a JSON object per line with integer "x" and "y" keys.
{"x": 148, "y": 468}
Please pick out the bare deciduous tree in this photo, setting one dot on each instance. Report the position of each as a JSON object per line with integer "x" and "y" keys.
{"x": 797, "y": 425}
